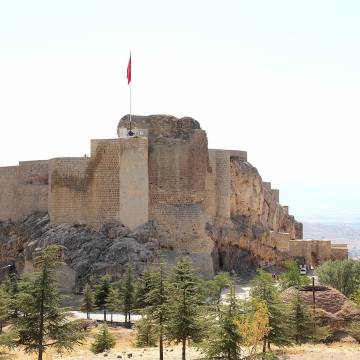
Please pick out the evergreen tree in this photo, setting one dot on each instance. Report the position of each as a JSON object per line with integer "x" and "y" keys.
{"x": 102, "y": 290}
{"x": 224, "y": 336}
{"x": 155, "y": 299}
{"x": 264, "y": 289}
{"x": 42, "y": 321}
{"x": 127, "y": 294}
{"x": 142, "y": 287}
{"x": 88, "y": 302}
{"x": 217, "y": 285}
{"x": 146, "y": 333}
{"x": 184, "y": 305}
{"x": 301, "y": 320}
{"x": 4, "y": 307}
{"x": 113, "y": 301}
{"x": 103, "y": 340}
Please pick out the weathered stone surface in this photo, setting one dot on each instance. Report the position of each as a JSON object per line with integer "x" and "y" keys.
{"x": 88, "y": 253}
{"x": 332, "y": 307}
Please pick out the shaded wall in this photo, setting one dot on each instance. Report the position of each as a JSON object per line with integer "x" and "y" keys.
{"x": 111, "y": 186}
{"x": 23, "y": 189}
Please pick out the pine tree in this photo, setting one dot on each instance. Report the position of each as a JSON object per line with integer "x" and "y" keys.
{"x": 146, "y": 334}
{"x": 155, "y": 300}
{"x": 113, "y": 301}
{"x": 103, "y": 341}
{"x": 4, "y": 307}
{"x": 42, "y": 321}
{"x": 224, "y": 336}
{"x": 217, "y": 285}
{"x": 127, "y": 294}
{"x": 102, "y": 290}
{"x": 142, "y": 287}
{"x": 184, "y": 305}
{"x": 88, "y": 302}
{"x": 301, "y": 320}
{"x": 264, "y": 289}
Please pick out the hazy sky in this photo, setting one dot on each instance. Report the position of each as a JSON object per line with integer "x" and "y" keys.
{"x": 280, "y": 79}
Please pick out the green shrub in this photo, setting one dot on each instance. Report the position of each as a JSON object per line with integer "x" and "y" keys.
{"x": 103, "y": 341}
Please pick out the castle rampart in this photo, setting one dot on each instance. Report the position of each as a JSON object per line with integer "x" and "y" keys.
{"x": 23, "y": 189}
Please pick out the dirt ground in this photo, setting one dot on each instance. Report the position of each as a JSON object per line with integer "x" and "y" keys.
{"x": 125, "y": 349}
{"x": 323, "y": 352}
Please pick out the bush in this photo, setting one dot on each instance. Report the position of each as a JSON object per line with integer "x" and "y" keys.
{"x": 103, "y": 341}
{"x": 343, "y": 275}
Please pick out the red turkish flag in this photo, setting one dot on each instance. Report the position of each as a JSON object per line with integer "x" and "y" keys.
{"x": 129, "y": 71}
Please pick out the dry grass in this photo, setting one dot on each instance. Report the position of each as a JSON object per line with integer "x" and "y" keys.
{"x": 125, "y": 340}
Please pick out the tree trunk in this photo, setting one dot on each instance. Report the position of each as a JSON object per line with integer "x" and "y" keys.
{"x": 161, "y": 346}
{"x": 1, "y": 326}
{"x": 105, "y": 314}
{"x": 129, "y": 320}
{"x": 88, "y": 315}
{"x": 40, "y": 355}
{"x": 183, "y": 355}
{"x": 41, "y": 325}
{"x": 111, "y": 318}
{"x": 264, "y": 348}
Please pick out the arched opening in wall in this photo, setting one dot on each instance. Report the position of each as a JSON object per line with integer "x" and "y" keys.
{"x": 314, "y": 259}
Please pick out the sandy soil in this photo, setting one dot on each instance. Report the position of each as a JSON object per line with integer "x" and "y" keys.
{"x": 323, "y": 352}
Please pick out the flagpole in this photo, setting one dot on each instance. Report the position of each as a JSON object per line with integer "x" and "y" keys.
{"x": 130, "y": 132}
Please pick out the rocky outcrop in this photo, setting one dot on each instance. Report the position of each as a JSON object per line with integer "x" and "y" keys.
{"x": 88, "y": 253}
{"x": 332, "y": 307}
{"x": 247, "y": 241}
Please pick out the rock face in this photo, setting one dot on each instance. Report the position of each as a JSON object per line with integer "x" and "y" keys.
{"x": 88, "y": 253}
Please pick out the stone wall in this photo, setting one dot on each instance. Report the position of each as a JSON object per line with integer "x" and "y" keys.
{"x": 280, "y": 241}
{"x": 177, "y": 186}
{"x": 339, "y": 251}
{"x": 23, "y": 189}
{"x": 316, "y": 252}
{"x": 110, "y": 186}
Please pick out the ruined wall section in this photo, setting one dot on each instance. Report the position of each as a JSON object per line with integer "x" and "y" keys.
{"x": 23, "y": 189}
{"x": 111, "y": 186}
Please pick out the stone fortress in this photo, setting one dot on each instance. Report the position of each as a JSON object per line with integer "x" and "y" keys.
{"x": 212, "y": 204}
